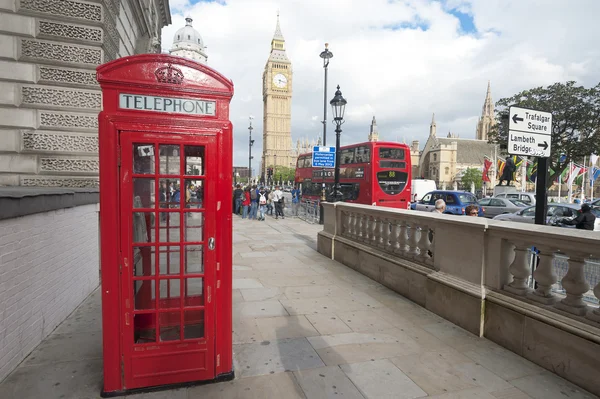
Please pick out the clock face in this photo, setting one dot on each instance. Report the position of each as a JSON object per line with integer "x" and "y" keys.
{"x": 280, "y": 81}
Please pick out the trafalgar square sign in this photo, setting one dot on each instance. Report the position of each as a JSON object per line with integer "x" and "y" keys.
{"x": 529, "y": 132}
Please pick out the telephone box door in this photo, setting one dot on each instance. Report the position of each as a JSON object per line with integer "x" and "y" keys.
{"x": 168, "y": 227}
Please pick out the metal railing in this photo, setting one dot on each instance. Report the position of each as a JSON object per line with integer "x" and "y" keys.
{"x": 308, "y": 210}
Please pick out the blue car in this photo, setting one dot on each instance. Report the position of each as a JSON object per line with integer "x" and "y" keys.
{"x": 456, "y": 201}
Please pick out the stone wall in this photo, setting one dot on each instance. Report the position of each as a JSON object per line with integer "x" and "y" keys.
{"x": 48, "y": 265}
{"x": 49, "y": 97}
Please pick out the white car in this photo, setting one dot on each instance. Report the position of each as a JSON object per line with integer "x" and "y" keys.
{"x": 528, "y": 198}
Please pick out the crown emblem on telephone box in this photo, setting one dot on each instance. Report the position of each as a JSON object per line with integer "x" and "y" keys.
{"x": 169, "y": 74}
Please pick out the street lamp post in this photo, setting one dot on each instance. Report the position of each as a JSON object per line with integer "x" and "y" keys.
{"x": 338, "y": 106}
{"x": 250, "y": 144}
{"x": 326, "y": 55}
{"x": 275, "y": 170}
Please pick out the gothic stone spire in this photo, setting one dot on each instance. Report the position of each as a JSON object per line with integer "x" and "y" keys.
{"x": 488, "y": 105}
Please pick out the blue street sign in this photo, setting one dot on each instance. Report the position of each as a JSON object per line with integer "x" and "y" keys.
{"x": 323, "y": 157}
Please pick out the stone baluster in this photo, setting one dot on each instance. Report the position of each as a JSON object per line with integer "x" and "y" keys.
{"x": 413, "y": 239}
{"x": 594, "y": 315}
{"x": 387, "y": 233}
{"x": 402, "y": 238}
{"x": 545, "y": 277}
{"x": 575, "y": 285}
{"x": 364, "y": 228}
{"x": 379, "y": 229}
{"x": 351, "y": 225}
{"x": 520, "y": 269}
{"x": 355, "y": 225}
{"x": 374, "y": 221}
{"x": 344, "y": 231}
{"x": 395, "y": 235}
{"x": 424, "y": 244}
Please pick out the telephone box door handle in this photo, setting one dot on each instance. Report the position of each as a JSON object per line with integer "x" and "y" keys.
{"x": 211, "y": 243}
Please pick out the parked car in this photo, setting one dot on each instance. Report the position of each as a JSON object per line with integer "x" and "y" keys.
{"x": 595, "y": 202}
{"x": 456, "y": 201}
{"x": 498, "y": 206}
{"x": 555, "y": 212}
{"x": 528, "y": 198}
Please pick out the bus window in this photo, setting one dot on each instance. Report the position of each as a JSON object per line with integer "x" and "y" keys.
{"x": 363, "y": 154}
{"x": 308, "y": 162}
{"x": 347, "y": 156}
{"x": 391, "y": 153}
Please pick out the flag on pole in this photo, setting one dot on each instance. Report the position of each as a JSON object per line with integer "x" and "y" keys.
{"x": 532, "y": 172}
{"x": 579, "y": 177}
{"x": 486, "y": 168}
{"x": 593, "y": 168}
{"x": 573, "y": 174}
{"x": 517, "y": 161}
{"x": 500, "y": 166}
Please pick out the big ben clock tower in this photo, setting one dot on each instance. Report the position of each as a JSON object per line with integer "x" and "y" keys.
{"x": 277, "y": 107}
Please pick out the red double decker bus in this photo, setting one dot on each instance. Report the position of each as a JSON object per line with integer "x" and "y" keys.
{"x": 372, "y": 173}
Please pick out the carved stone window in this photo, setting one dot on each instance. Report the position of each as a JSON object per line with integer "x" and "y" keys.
{"x": 434, "y": 157}
{"x": 447, "y": 170}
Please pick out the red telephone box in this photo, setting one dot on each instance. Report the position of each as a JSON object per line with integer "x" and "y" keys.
{"x": 165, "y": 200}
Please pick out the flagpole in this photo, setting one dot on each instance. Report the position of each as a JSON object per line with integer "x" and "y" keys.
{"x": 583, "y": 180}
{"x": 523, "y": 174}
{"x": 559, "y": 185}
{"x": 570, "y": 182}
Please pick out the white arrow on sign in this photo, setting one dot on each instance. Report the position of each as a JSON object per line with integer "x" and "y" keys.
{"x": 529, "y": 144}
{"x": 530, "y": 120}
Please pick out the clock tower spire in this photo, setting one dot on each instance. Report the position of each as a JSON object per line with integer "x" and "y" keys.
{"x": 277, "y": 108}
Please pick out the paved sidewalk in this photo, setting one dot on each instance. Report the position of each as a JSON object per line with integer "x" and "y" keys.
{"x": 307, "y": 327}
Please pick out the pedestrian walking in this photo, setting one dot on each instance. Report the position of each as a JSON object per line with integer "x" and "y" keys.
{"x": 253, "y": 202}
{"x": 262, "y": 203}
{"x": 278, "y": 201}
{"x": 238, "y": 197}
{"x": 295, "y": 201}
{"x": 246, "y": 203}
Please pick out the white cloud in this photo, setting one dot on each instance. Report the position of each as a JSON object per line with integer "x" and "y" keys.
{"x": 387, "y": 65}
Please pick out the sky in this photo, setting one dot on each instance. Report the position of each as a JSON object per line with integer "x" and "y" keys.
{"x": 400, "y": 61}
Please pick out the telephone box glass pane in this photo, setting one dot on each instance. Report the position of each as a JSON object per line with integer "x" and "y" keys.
{"x": 143, "y": 227}
{"x": 143, "y": 261}
{"x": 193, "y": 324}
{"x": 143, "y": 159}
{"x": 143, "y": 192}
{"x": 169, "y": 193}
{"x": 170, "y": 159}
{"x": 194, "y": 292}
{"x": 170, "y": 293}
{"x": 194, "y": 197}
{"x": 169, "y": 228}
{"x": 170, "y": 325}
{"x": 194, "y": 259}
{"x": 193, "y": 226}
{"x": 144, "y": 328}
{"x": 194, "y": 160}
{"x": 143, "y": 294}
{"x": 168, "y": 260}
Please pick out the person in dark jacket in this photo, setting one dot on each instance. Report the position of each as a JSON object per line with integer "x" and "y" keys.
{"x": 584, "y": 221}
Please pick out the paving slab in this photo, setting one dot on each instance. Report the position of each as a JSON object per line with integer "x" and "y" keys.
{"x": 381, "y": 379}
{"x": 550, "y": 386}
{"x": 268, "y": 357}
{"x": 277, "y": 385}
{"x": 328, "y": 323}
{"x": 285, "y": 327}
{"x": 327, "y": 383}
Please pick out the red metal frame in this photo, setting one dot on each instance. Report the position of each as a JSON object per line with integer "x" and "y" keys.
{"x": 370, "y": 192}
{"x": 127, "y": 365}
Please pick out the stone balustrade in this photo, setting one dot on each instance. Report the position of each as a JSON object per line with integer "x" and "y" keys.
{"x": 478, "y": 274}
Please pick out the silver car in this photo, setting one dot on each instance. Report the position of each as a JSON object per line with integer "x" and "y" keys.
{"x": 554, "y": 212}
{"x": 498, "y": 206}
{"x": 527, "y": 198}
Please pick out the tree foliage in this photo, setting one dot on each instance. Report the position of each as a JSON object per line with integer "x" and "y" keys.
{"x": 471, "y": 176}
{"x": 283, "y": 174}
{"x": 575, "y": 121}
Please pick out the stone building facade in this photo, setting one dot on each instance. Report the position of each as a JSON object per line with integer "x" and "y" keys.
{"x": 277, "y": 107}
{"x": 188, "y": 43}
{"x": 49, "y": 97}
{"x": 444, "y": 159}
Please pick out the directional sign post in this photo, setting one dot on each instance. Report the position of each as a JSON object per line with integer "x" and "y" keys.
{"x": 530, "y": 134}
{"x": 323, "y": 157}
